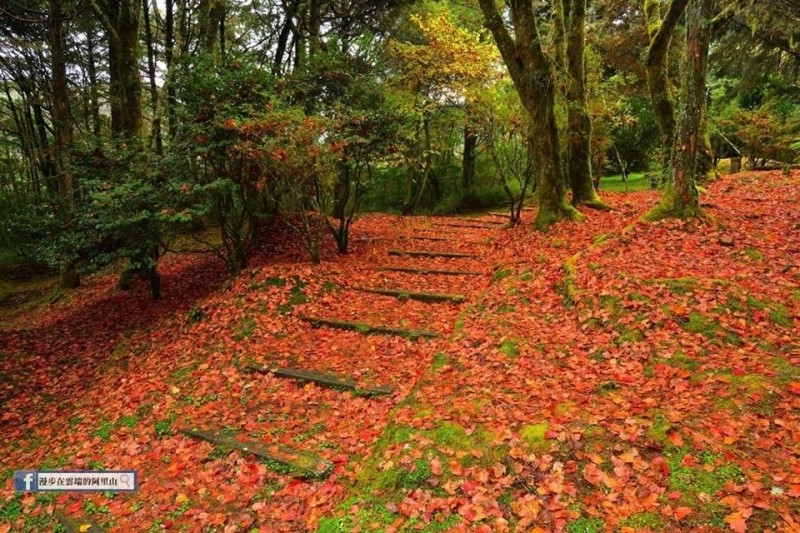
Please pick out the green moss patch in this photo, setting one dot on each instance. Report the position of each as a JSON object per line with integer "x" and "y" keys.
{"x": 586, "y": 525}
{"x": 645, "y": 521}
{"x": 707, "y": 477}
{"x": 534, "y": 436}
{"x": 510, "y": 348}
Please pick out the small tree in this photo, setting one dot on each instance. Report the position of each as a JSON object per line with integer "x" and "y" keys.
{"x": 128, "y": 217}
{"x": 365, "y": 124}
{"x": 503, "y": 129}
{"x": 216, "y": 163}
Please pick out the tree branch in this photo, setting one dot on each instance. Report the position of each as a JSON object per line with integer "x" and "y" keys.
{"x": 660, "y": 42}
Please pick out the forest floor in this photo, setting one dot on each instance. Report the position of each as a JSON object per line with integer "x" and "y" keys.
{"x": 612, "y": 375}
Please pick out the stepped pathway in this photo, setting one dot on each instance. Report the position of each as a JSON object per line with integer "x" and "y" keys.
{"x": 351, "y": 354}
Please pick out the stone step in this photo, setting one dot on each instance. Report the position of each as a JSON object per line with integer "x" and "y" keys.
{"x": 367, "y": 329}
{"x": 320, "y": 378}
{"x": 84, "y": 525}
{"x": 427, "y": 297}
{"x": 428, "y": 253}
{"x": 303, "y": 464}
{"x": 426, "y": 271}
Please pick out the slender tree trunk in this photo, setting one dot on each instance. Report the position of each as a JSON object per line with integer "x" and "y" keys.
{"x": 532, "y": 74}
{"x": 62, "y": 126}
{"x": 468, "y": 159}
{"x": 169, "y": 58}
{"x": 129, "y": 79}
{"x": 580, "y": 125}
{"x": 658, "y": 82}
{"x": 25, "y": 140}
{"x": 151, "y": 71}
{"x": 91, "y": 70}
{"x": 47, "y": 164}
{"x": 283, "y": 38}
{"x": 120, "y": 19}
{"x": 680, "y": 198}
{"x": 707, "y": 164}
{"x": 212, "y": 13}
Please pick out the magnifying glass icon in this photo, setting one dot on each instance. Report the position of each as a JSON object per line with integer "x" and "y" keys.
{"x": 126, "y": 480}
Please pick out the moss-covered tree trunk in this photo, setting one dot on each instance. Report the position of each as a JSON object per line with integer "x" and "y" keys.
{"x": 62, "y": 127}
{"x": 579, "y": 155}
{"x": 532, "y": 73}
{"x": 708, "y": 170}
{"x": 120, "y": 19}
{"x": 212, "y": 16}
{"x": 658, "y": 82}
{"x": 680, "y": 198}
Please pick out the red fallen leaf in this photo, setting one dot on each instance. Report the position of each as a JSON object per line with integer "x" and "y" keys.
{"x": 794, "y": 387}
{"x": 736, "y": 521}
{"x": 436, "y": 466}
{"x": 467, "y": 511}
{"x": 678, "y": 309}
{"x": 74, "y": 507}
{"x": 483, "y": 528}
{"x": 675, "y": 438}
{"x": 674, "y": 495}
{"x": 467, "y": 486}
{"x": 682, "y": 512}
{"x": 550, "y": 434}
{"x": 660, "y": 464}
{"x": 289, "y": 515}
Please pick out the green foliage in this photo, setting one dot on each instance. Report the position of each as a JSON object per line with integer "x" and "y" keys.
{"x": 634, "y": 137}
{"x": 216, "y": 163}
{"x": 586, "y": 525}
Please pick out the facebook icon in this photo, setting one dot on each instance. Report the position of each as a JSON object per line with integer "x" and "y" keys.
{"x": 25, "y": 481}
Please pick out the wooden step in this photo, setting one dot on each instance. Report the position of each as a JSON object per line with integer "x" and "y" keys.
{"x": 84, "y": 525}
{"x": 426, "y": 271}
{"x": 367, "y": 329}
{"x": 303, "y": 464}
{"x": 428, "y": 253}
{"x": 320, "y": 378}
{"x": 496, "y": 214}
{"x": 427, "y": 297}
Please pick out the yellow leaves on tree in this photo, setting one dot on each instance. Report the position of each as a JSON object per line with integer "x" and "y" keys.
{"x": 452, "y": 62}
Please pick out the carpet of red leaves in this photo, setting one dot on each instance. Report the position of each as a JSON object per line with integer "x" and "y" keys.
{"x": 662, "y": 392}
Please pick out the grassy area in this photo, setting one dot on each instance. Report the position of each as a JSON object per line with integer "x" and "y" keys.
{"x": 636, "y": 182}
{"x": 8, "y": 259}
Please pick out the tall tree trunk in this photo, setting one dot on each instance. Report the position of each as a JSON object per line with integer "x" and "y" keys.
{"x": 91, "y": 70}
{"x": 169, "y": 58}
{"x": 62, "y": 127}
{"x": 212, "y": 14}
{"x": 680, "y": 197}
{"x": 658, "y": 82}
{"x": 468, "y": 158}
{"x": 532, "y": 74}
{"x": 120, "y": 18}
{"x": 45, "y": 155}
{"x": 26, "y": 143}
{"x": 707, "y": 164}
{"x": 287, "y": 30}
{"x": 151, "y": 71}
{"x": 580, "y": 125}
